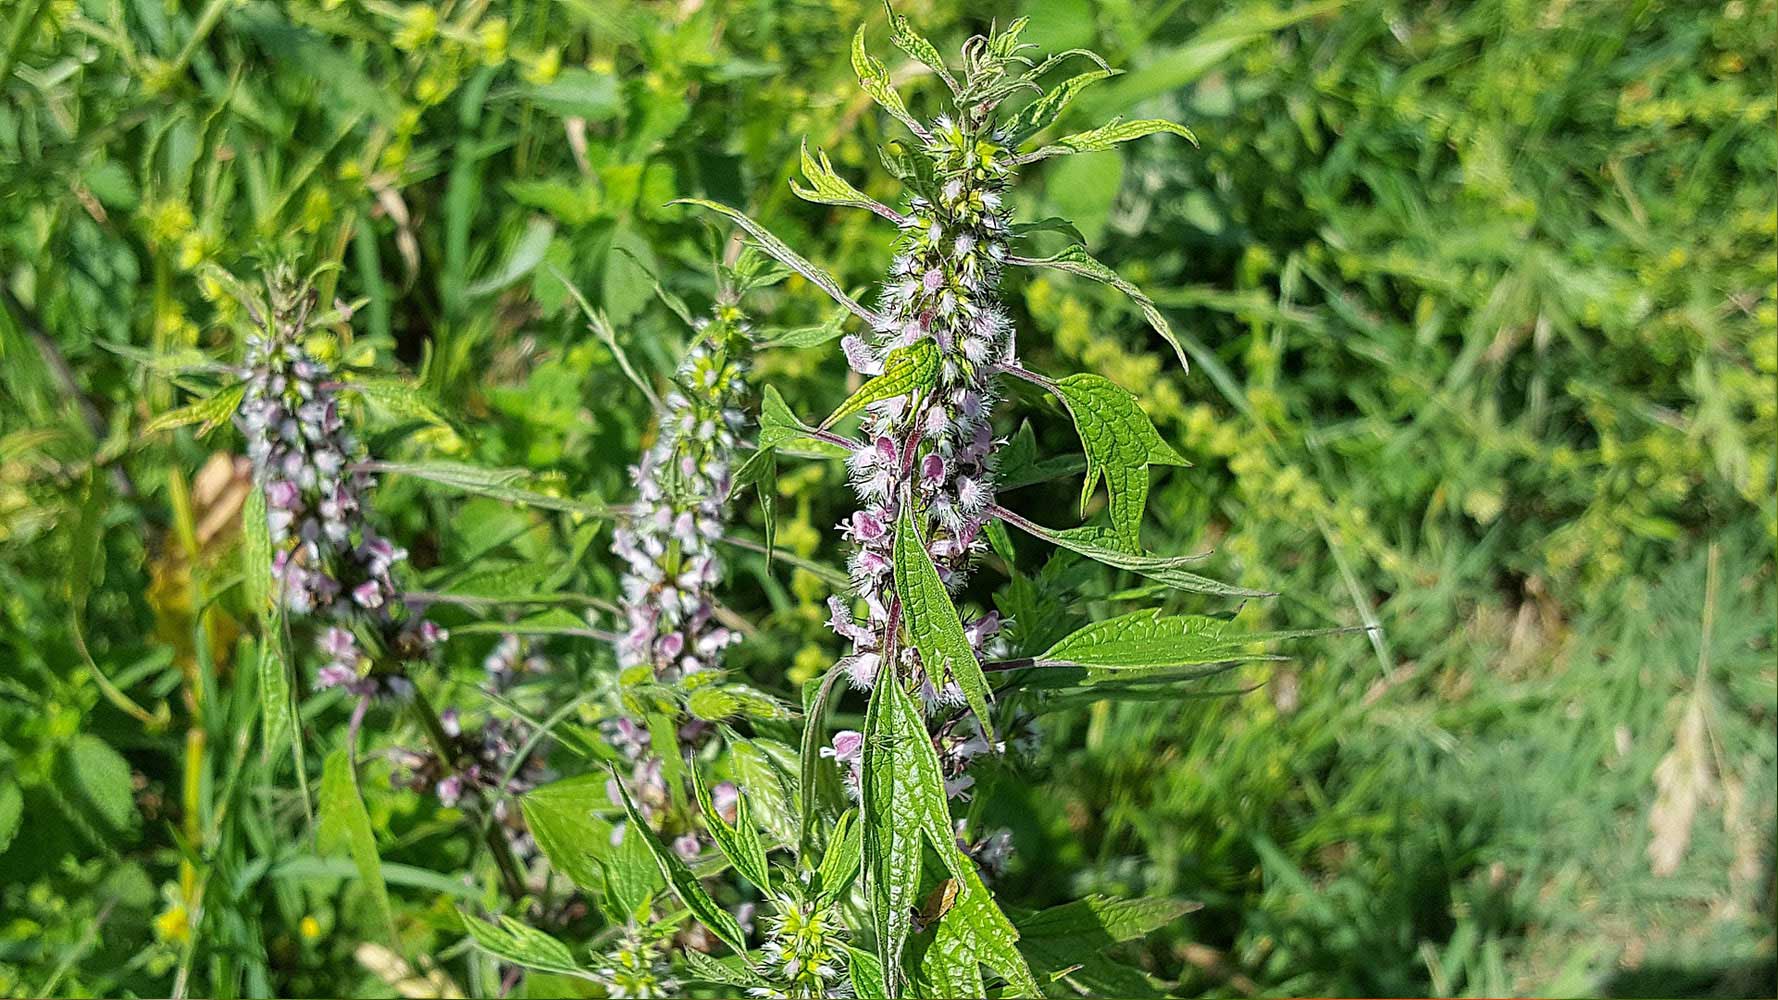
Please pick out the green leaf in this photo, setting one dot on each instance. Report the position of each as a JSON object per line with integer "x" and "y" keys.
{"x": 717, "y": 920}
{"x": 212, "y": 411}
{"x": 814, "y": 735}
{"x": 1144, "y": 639}
{"x": 914, "y": 44}
{"x": 932, "y": 620}
{"x": 866, "y": 973}
{"x": 526, "y": 253}
{"x": 401, "y": 398}
{"x": 1019, "y": 464}
{"x": 580, "y": 93}
{"x": 950, "y": 966}
{"x": 1075, "y": 260}
{"x": 553, "y": 621}
{"x": 740, "y": 842}
{"x": 778, "y": 427}
{"x": 904, "y": 799}
{"x": 760, "y": 471}
{"x": 1067, "y": 942}
{"x": 631, "y": 879}
{"x": 828, "y": 188}
{"x": 561, "y": 817}
{"x": 1106, "y": 136}
{"x": 494, "y": 483}
{"x": 256, "y": 551}
{"x": 825, "y": 332}
{"x": 345, "y": 825}
{"x": 759, "y": 766}
{"x": 513, "y": 942}
{"x": 845, "y": 854}
{"x": 779, "y": 251}
{"x": 1092, "y": 542}
{"x": 731, "y": 971}
{"x": 891, "y": 824}
{"x": 874, "y": 78}
{"x": 1043, "y": 112}
{"x": 275, "y": 694}
{"x": 1120, "y": 443}
{"x": 12, "y": 810}
{"x": 102, "y": 777}
{"x": 906, "y": 369}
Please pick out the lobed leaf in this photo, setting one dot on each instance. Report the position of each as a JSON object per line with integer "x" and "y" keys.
{"x": 1120, "y": 443}
{"x": 1107, "y": 136}
{"x": 1043, "y": 112}
{"x": 906, "y": 369}
{"x": 874, "y": 79}
{"x": 828, "y": 188}
{"x": 1144, "y": 639}
{"x": 212, "y": 411}
{"x": 902, "y": 33}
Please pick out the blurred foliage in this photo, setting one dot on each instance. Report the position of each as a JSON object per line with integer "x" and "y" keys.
{"x": 1483, "y": 307}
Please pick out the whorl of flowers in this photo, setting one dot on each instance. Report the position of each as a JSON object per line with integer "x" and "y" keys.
{"x": 327, "y": 561}
{"x": 476, "y": 769}
{"x": 804, "y": 950}
{"x": 638, "y": 967}
{"x": 936, "y": 447}
{"x": 669, "y": 545}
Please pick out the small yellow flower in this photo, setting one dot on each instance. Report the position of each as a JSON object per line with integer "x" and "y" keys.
{"x": 309, "y": 928}
{"x": 173, "y": 924}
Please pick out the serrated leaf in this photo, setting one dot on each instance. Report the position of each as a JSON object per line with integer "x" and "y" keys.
{"x": 12, "y": 811}
{"x": 932, "y": 621}
{"x": 1018, "y": 463}
{"x": 560, "y": 817}
{"x": 779, "y": 251}
{"x": 1049, "y": 225}
{"x": 493, "y": 483}
{"x": 1075, "y": 260}
{"x": 874, "y": 79}
{"x": 631, "y": 879}
{"x": 845, "y": 854}
{"x": 760, "y": 471}
{"x": 1120, "y": 444}
{"x": 345, "y": 825}
{"x": 1098, "y": 921}
{"x": 739, "y": 841}
{"x": 814, "y": 717}
{"x": 717, "y": 920}
{"x": 828, "y": 188}
{"x": 1106, "y": 136}
{"x": 833, "y": 328}
{"x": 778, "y": 426}
{"x": 513, "y": 942}
{"x": 759, "y": 765}
{"x": 1144, "y": 639}
{"x": 731, "y": 971}
{"x": 902, "y": 33}
{"x": 904, "y": 799}
{"x": 274, "y": 695}
{"x": 906, "y": 369}
{"x": 256, "y": 551}
{"x": 212, "y": 411}
{"x": 1043, "y": 112}
{"x": 1091, "y": 542}
{"x": 866, "y": 974}
{"x": 400, "y": 398}
{"x": 553, "y": 621}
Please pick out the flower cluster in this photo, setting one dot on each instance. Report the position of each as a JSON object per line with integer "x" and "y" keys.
{"x": 475, "y": 767}
{"x": 638, "y": 967}
{"x": 328, "y": 562}
{"x": 669, "y": 546}
{"x": 934, "y": 448}
{"x": 805, "y": 950}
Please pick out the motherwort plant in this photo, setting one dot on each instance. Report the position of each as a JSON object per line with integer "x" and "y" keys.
{"x": 328, "y": 562}
{"x": 926, "y": 465}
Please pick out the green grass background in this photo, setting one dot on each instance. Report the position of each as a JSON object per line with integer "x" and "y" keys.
{"x": 1481, "y": 302}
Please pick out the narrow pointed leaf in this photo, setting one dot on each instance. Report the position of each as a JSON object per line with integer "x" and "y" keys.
{"x": 1075, "y": 260}
{"x": 717, "y": 920}
{"x": 932, "y": 620}
{"x": 874, "y": 79}
{"x": 1106, "y": 136}
{"x": 518, "y": 944}
{"x": 1094, "y": 543}
{"x": 778, "y": 250}
{"x": 345, "y": 826}
{"x": 211, "y": 412}
{"x": 826, "y": 187}
{"x": 740, "y": 840}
